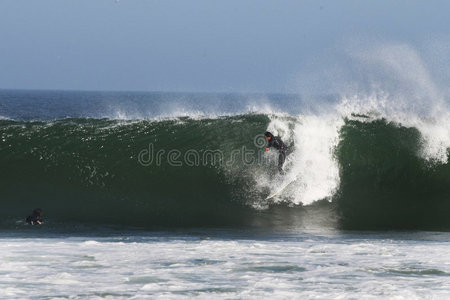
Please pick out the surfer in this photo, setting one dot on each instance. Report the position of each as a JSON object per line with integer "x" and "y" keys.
{"x": 277, "y": 143}
{"x": 35, "y": 218}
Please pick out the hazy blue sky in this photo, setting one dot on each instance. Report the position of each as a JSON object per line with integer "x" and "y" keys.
{"x": 203, "y": 45}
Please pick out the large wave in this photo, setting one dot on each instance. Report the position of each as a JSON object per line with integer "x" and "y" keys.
{"x": 365, "y": 170}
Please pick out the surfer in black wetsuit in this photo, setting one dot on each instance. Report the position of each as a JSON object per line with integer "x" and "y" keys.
{"x": 35, "y": 218}
{"x": 277, "y": 143}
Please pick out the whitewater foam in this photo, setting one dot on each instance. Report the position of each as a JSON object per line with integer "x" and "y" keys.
{"x": 312, "y": 173}
{"x": 312, "y": 166}
{"x": 233, "y": 265}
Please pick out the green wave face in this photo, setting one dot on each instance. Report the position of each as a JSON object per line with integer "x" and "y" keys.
{"x": 385, "y": 182}
{"x": 113, "y": 172}
{"x": 88, "y": 170}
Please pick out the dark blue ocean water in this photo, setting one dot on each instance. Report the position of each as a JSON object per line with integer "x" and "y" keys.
{"x": 51, "y": 105}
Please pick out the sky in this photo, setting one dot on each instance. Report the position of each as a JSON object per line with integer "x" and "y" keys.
{"x": 206, "y": 45}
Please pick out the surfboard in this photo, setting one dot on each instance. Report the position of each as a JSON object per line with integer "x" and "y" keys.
{"x": 281, "y": 189}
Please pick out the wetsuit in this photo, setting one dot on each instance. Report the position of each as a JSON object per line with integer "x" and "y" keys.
{"x": 33, "y": 220}
{"x": 278, "y": 144}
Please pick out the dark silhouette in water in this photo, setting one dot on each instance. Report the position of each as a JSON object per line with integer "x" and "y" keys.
{"x": 35, "y": 218}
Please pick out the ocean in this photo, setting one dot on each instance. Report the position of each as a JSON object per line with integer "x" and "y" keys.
{"x": 165, "y": 195}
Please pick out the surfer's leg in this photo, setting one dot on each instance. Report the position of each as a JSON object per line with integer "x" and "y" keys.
{"x": 281, "y": 159}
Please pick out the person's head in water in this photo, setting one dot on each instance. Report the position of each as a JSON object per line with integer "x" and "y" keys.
{"x": 37, "y": 212}
{"x": 268, "y": 135}
{"x": 35, "y": 218}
